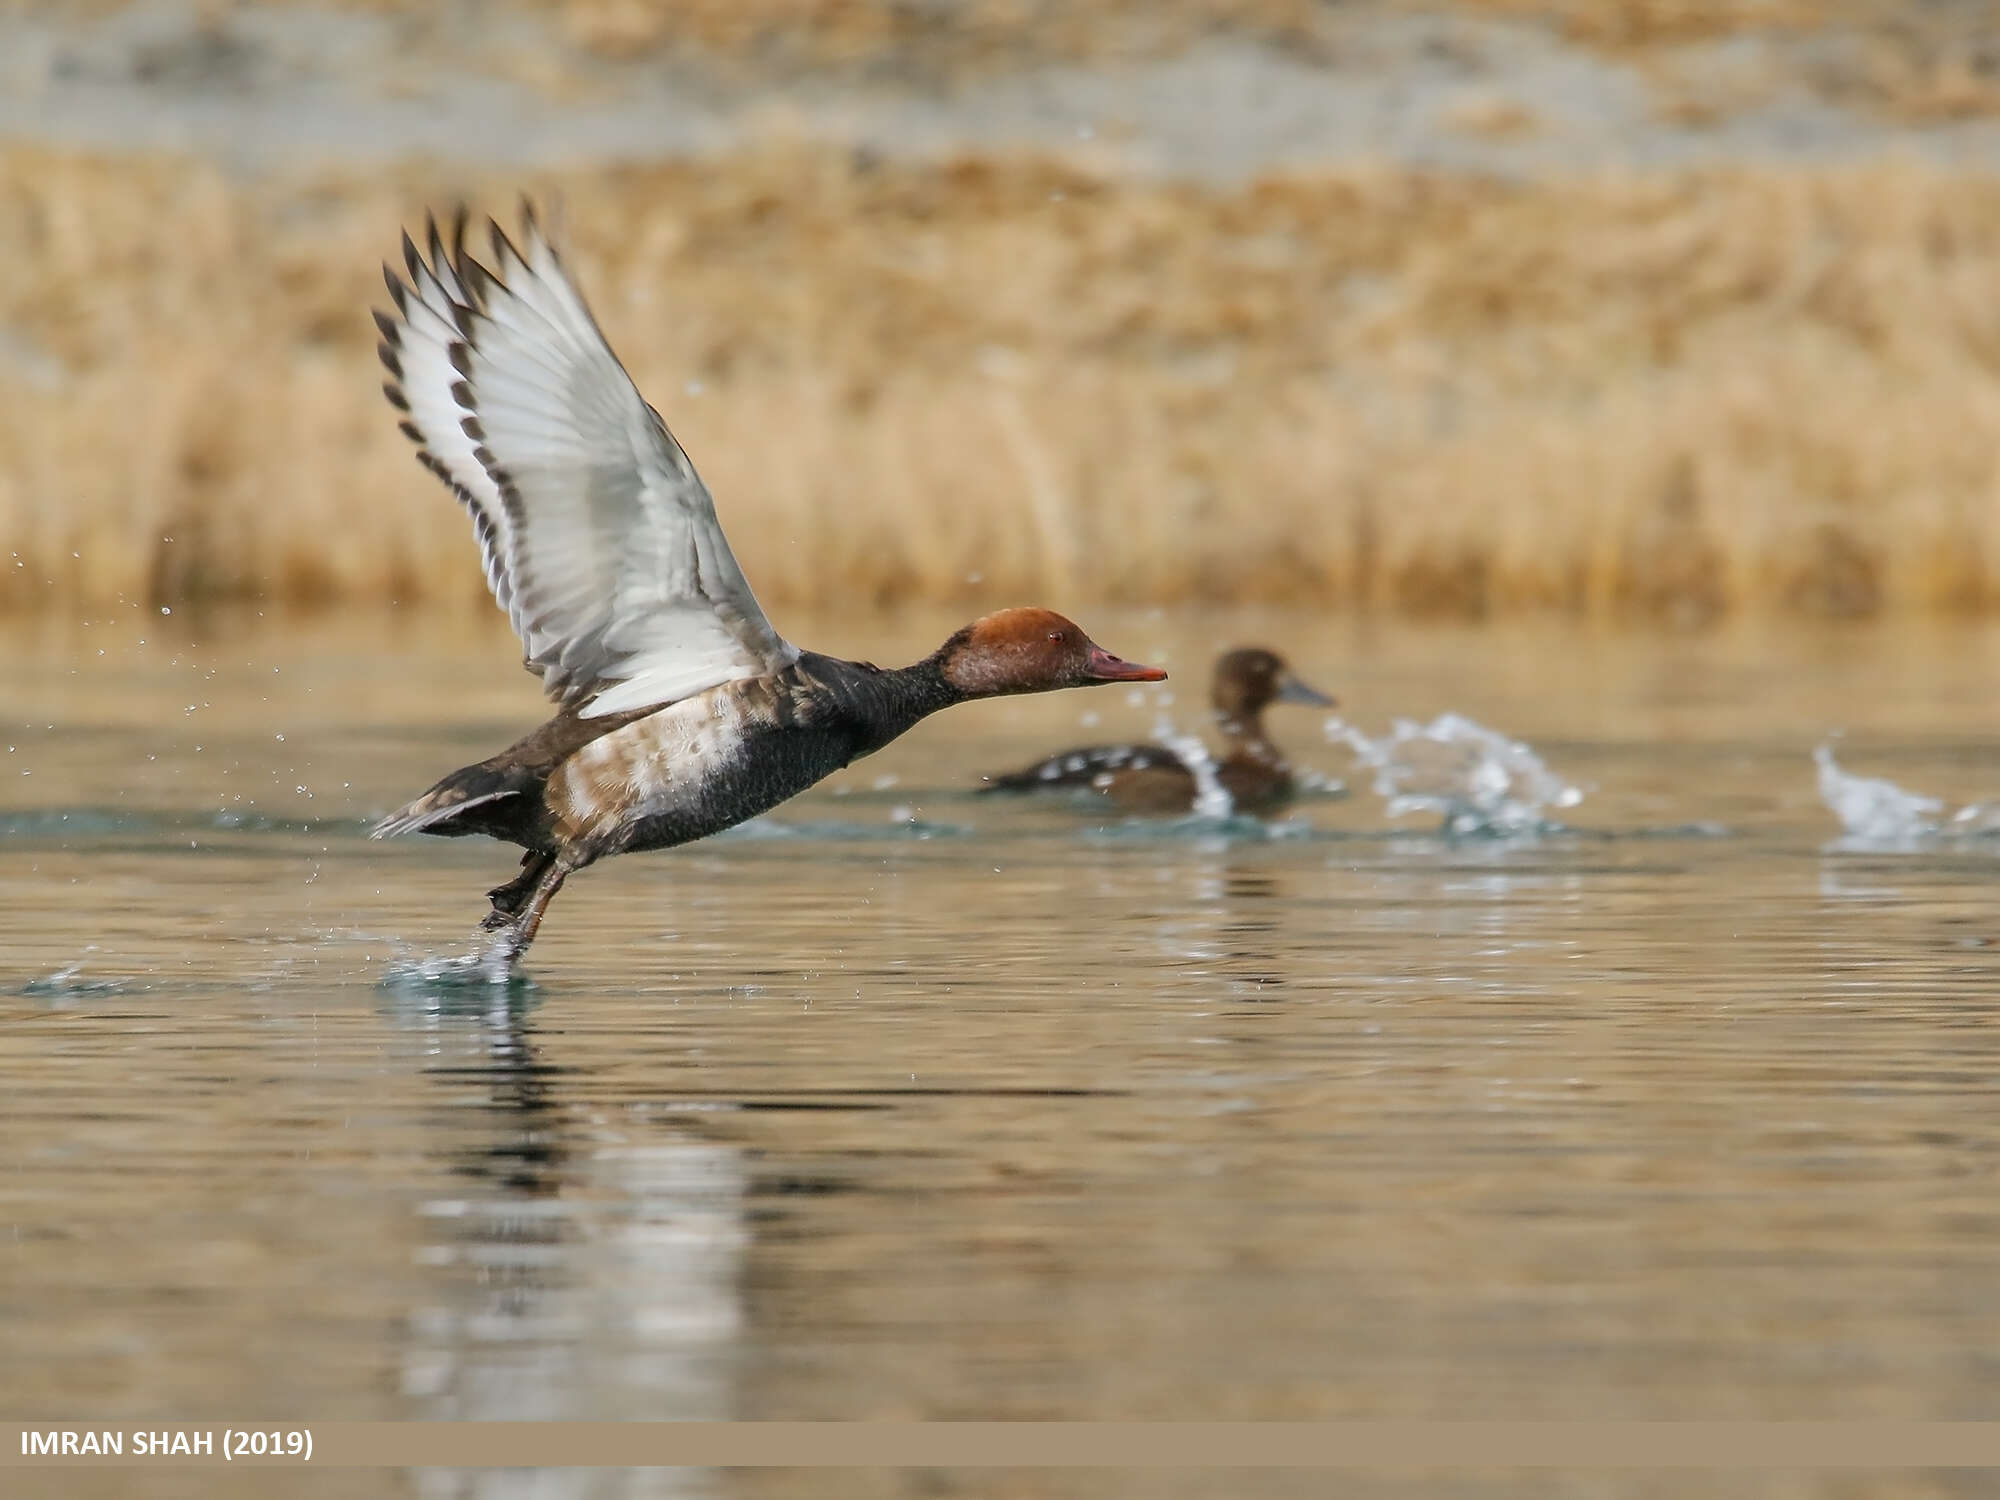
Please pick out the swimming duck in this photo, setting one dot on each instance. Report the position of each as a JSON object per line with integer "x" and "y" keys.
{"x": 680, "y": 710}
{"x": 1153, "y": 778}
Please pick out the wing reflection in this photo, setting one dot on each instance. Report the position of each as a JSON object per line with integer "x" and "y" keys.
{"x": 589, "y": 1269}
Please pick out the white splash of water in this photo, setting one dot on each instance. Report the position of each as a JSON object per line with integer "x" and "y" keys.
{"x": 1212, "y": 801}
{"x": 490, "y": 964}
{"x": 1318, "y": 783}
{"x": 1880, "y": 814}
{"x": 1872, "y": 809}
{"x": 62, "y": 977}
{"x": 1476, "y": 778}
{"x": 65, "y": 981}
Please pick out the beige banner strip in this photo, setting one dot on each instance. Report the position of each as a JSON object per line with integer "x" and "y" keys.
{"x": 1785, "y": 1445}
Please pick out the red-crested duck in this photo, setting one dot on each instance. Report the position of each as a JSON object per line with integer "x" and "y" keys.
{"x": 680, "y": 711}
{"x": 1153, "y": 778}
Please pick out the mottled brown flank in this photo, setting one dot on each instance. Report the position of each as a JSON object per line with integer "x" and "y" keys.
{"x": 665, "y": 757}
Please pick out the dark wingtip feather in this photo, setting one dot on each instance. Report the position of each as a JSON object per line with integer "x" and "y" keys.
{"x": 411, "y": 431}
{"x": 388, "y": 327}
{"x": 461, "y": 392}
{"x": 414, "y": 261}
{"x": 460, "y": 355}
{"x": 398, "y": 293}
{"x": 395, "y": 394}
{"x": 477, "y": 279}
{"x": 503, "y": 248}
{"x": 462, "y": 264}
{"x": 391, "y": 360}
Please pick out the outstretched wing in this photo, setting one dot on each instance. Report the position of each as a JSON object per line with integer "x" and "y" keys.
{"x": 600, "y": 540}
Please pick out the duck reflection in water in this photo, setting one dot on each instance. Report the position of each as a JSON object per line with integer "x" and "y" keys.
{"x": 585, "y": 1250}
{"x": 1155, "y": 778}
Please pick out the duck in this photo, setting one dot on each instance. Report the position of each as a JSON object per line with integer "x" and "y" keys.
{"x": 679, "y": 709}
{"x": 1153, "y": 778}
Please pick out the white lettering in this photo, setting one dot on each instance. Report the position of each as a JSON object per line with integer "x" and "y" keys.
{"x": 172, "y": 1444}
{"x": 81, "y": 1444}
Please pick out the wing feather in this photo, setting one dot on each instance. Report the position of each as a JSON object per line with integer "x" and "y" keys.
{"x": 600, "y": 541}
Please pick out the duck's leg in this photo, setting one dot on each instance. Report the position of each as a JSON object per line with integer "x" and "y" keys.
{"x": 507, "y": 898}
{"x": 517, "y": 929}
{"x": 530, "y": 920}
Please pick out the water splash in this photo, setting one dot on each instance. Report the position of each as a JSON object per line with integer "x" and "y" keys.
{"x": 1313, "y": 783}
{"x": 1481, "y": 782}
{"x": 1212, "y": 802}
{"x": 1871, "y": 809}
{"x": 1876, "y": 813}
{"x": 487, "y": 968}
{"x": 66, "y": 983}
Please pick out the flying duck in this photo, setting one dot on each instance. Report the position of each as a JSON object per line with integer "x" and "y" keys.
{"x": 680, "y": 711}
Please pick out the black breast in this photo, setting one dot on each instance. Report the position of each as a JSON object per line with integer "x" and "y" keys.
{"x": 800, "y": 726}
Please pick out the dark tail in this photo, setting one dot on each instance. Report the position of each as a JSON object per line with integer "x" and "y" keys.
{"x": 465, "y": 802}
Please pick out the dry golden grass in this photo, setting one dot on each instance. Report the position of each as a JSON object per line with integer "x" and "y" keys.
{"x": 1669, "y": 397}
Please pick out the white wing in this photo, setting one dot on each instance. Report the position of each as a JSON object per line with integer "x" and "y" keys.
{"x": 600, "y": 540}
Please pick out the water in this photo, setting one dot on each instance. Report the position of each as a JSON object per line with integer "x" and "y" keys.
{"x": 1876, "y": 813}
{"x": 1474, "y": 778}
{"x": 1212, "y": 802}
{"x": 904, "y": 1102}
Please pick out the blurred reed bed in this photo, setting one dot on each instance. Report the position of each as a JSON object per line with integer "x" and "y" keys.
{"x": 1666, "y": 397}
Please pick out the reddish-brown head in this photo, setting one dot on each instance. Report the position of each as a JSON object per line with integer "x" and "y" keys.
{"x": 1031, "y": 651}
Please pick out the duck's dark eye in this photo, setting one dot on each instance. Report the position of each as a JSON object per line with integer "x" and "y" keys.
{"x": 1059, "y": 637}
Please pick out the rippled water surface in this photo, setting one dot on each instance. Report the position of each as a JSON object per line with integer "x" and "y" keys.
{"x": 910, "y": 1103}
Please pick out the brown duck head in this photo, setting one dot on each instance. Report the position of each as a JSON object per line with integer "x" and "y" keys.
{"x": 1031, "y": 651}
{"x": 1249, "y": 678}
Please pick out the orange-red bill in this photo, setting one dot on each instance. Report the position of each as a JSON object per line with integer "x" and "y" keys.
{"x": 1104, "y": 667}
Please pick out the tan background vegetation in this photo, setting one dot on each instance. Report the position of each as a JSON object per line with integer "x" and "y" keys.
{"x": 1665, "y": 395}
